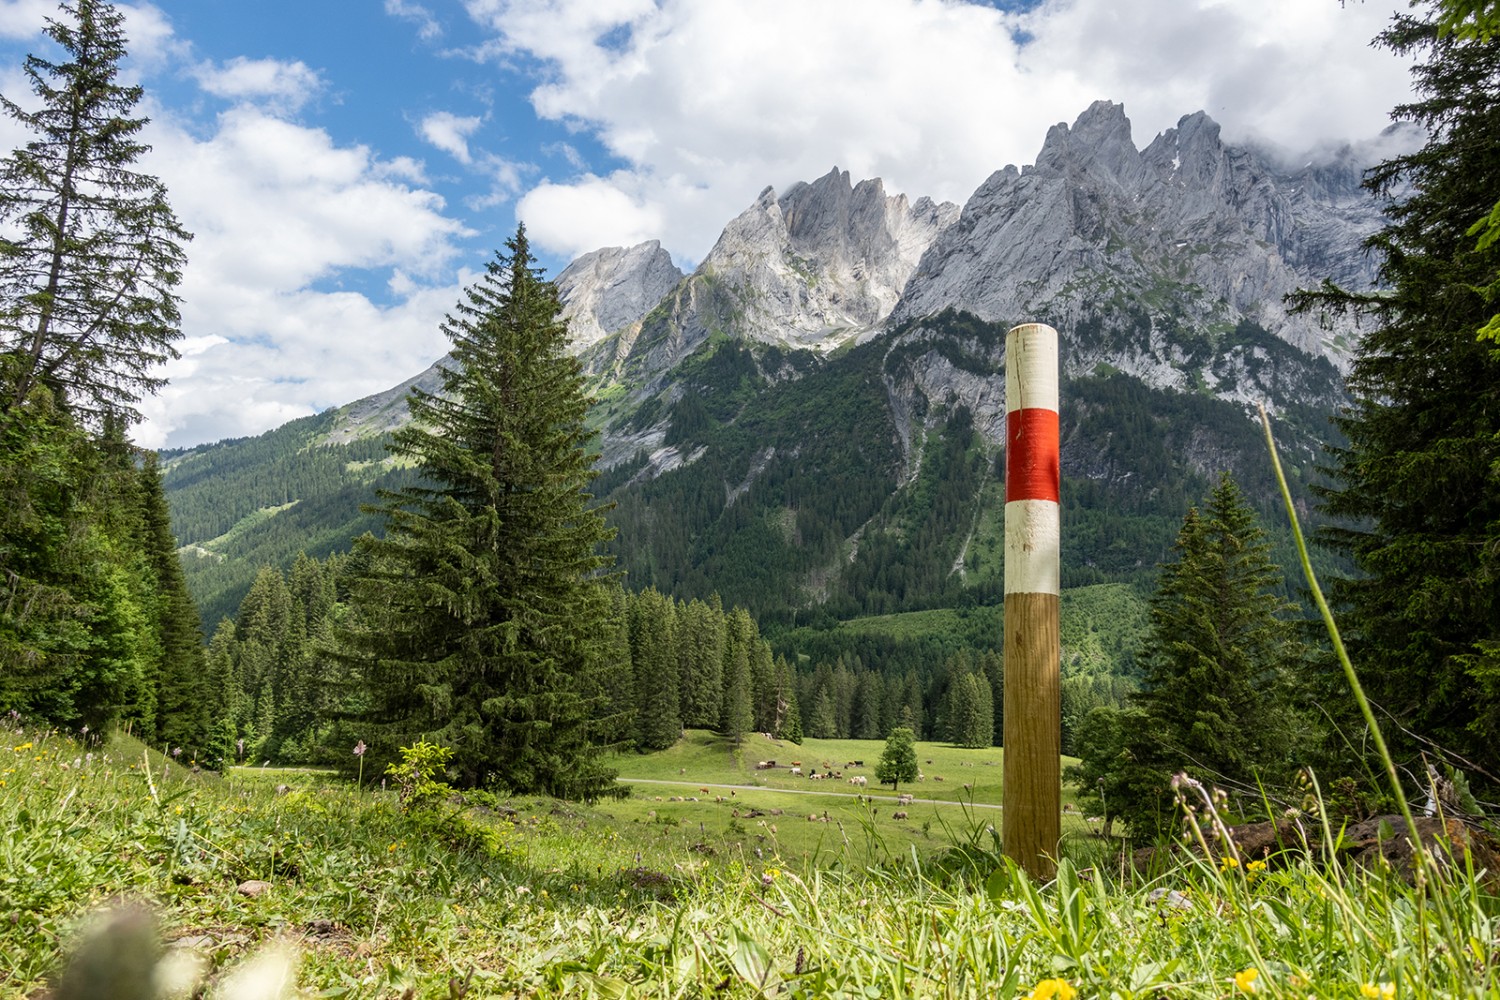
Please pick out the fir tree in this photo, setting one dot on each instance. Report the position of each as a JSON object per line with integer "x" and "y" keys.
{"x": 180, "y": 701}
{"x": 1216, "y": 696}
{"x": 1418, "y": 484}
{"x": 789, "y": 713}
{"x": 483, "y": 618}
{"x": 701, "y": 651}
{"x": 653, "y": 656}
{"x": 90, "y": 253}
{"x": 738, "y": 715}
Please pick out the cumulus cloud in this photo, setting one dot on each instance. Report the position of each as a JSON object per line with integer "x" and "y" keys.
{"x": 24, "y": 18}
{"x": 148, "y": 30}
{"x": 590, "y": 213}
{"x": 283, "y": 85}
{"x": 707, "y": 103}
{"x": 428, "y": 27}
{"x": 278, "y": 211}
{"x": 450, "y": 133}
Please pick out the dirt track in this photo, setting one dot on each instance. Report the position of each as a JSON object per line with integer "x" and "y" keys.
{"x": 806, "y": 791}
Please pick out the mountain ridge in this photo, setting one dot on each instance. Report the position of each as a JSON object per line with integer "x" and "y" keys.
{"x": 813, "y": 418}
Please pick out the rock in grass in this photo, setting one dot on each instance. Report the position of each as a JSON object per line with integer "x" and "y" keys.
{"x": 254, "y": 887}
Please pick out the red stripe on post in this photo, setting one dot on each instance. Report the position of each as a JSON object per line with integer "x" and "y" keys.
{"x": 1032, "y": 468}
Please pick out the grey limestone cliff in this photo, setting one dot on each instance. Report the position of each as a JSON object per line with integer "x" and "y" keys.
{"x": 606, "y": 290}
{"x": 812, "y": 268}
{"x": 1188, "y": 231}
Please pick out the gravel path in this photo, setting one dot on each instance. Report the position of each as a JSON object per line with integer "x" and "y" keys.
{"x": 805, "y": 791}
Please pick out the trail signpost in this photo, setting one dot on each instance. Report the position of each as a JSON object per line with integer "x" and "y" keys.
{"x": 1033, "y": 524}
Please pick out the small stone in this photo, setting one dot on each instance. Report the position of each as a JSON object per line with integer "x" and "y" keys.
{"x": 254, "y": 887}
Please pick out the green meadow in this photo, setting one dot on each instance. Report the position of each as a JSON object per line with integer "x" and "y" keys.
{"x": 342, "y": 892}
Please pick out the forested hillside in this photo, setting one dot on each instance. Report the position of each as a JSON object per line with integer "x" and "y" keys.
{"x": 802, "y": 488}
{"x": 247, "y": 503}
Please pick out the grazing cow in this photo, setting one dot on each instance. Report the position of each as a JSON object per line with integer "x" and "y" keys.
{"x": 899, "y": 814}
{"x": 903, "y": 799}
{"x": 797, "y": 771}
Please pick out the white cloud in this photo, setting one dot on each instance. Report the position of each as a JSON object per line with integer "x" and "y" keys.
{"x": 450, "y": 133}
{"x": 148, "y": 32}
{"x": 707, "y": 103}
{"x": 587, "y": 214}
{"x": 427, "y": 26}
{"x": 25, "y": 18}
{"x": 308, "y": 351}
{"x": 278, "y": 211}
{"x": 278, "y": 84}
{"x": 150, "y": 36}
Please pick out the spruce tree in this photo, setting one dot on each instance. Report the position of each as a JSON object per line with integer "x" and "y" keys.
{"x": 482, "y": 614}
{"x": 821, "y": 724}
{"x": 869, "y": 698}
{"x": 700, "y": 648}
{"x": 181, "y": 706}
{"x": 90, "y": 251}
{"x": 1218, "y": 657}
{"x": 789, "y": 712}
{"x": 1418, "y": 484}
{"x": 653, "y": 656}
{"x": 738, "y": 714}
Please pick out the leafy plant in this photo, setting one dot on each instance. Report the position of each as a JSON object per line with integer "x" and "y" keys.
{"x": 415, "y": 785}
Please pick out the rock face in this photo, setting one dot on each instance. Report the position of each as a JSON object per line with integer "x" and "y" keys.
{"x": 811, "y": 268}
{"x": 609, "y": 289}
{"x": 1169, "y": 264}
{"x": 1186, "y": 231}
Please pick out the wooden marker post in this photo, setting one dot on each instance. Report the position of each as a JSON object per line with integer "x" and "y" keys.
{"x": 1033, "y": 525}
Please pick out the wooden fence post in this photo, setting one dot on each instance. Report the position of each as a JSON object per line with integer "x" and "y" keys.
{"x": 1033, "y": 523}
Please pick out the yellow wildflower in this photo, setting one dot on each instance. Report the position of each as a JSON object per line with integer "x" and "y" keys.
{"x": 1378, "y": 991}
{"x": 24, "y": 747}
{"x": 1256, "y": 866}
{"x": 1053, "y": 989}
{"x": 1245, "y": 980}
{"x": 1227, "y": 863}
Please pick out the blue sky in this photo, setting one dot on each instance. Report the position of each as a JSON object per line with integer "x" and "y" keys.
{"x": 348, "y": 165}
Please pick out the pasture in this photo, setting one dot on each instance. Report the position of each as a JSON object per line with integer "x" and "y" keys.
{"x": 346, "y": 894}
{"x": 705, "y": 791}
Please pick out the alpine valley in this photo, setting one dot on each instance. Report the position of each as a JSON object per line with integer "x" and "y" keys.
{"x": 811, "y": 423}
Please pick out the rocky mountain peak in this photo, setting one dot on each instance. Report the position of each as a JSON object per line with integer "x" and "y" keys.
{"x": 607, "y": 289}
{"x": 1098, "y": 145}
{"x": 1188, "y": 232}
{"x": 811, "y": 267}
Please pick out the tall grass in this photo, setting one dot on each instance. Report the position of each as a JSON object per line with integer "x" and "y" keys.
{"x": 557, "y": 900}
{"x": 536, "y": 898}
